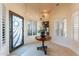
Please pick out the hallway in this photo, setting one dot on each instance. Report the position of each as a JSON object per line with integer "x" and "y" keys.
{"x": 53, "y": 50}
{"x": 22, "y": 24}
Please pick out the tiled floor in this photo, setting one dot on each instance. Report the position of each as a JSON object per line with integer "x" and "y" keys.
{"x": 52, "y": 50}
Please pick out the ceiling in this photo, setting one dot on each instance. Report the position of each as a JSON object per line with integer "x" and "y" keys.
{"x": 43, "y": 7}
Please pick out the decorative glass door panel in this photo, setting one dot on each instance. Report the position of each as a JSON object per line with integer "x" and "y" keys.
{"x": 17, "y": 31}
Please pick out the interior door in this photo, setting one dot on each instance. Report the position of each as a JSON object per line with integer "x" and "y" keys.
{"x": 16, "y": 31}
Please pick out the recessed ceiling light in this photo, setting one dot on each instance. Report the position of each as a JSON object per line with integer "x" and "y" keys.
{"x": 44, "y": 10}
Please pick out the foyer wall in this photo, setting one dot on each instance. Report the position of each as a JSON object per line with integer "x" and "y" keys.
{"x": 25, "y": 11}
{"x": 58, "y": 13}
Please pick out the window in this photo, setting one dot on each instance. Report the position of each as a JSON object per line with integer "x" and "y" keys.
{"x": 2, "y": 24}
{"x": 60, "y": 28}
{"x": 32, "y": 27}
{"x": 56, "y": 28}
{"x": 75, "y": 26}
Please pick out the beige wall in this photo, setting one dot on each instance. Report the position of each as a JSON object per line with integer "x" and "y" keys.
{"x": 28, "y": 13}
{"x": 58, "y": 13}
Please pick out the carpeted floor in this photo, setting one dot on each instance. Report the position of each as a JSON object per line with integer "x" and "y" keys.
{"x": 52, "y": 50}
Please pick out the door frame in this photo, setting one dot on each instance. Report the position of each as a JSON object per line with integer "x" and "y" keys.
{"x": 11, "y": 31}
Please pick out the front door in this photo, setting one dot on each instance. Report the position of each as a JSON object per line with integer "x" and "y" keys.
{"x": 16, "y": 31}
